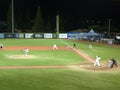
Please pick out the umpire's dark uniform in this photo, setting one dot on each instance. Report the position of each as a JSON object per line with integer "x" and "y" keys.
{"x": 114, "y": 63}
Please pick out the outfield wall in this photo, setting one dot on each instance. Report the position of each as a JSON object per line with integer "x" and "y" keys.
{"x": 33, "y": 35}
{"x": 74, "y": 36}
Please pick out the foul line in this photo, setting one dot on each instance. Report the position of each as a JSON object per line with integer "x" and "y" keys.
{"x": 81, "y": 53}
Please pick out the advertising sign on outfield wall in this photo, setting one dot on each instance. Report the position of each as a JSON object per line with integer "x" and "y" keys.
{"x": 21, "y": 35}
{"x": 63, "y": 35}
{"x": 15, "y": 35}
{"x": 48, "y": 35}
{"x": 7, "y": 35}
{"x": 1, "y": 35}
{"x": 29, "y": 35}
{"x": 40, "y": 35}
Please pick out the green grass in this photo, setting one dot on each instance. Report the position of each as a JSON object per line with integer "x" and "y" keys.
{"x": 31, "y": 42}
{"x": 104, "y": 51}
{"x": 61, "y": 78}
{"x": 47, "y": 57}
{"x": 57, "y": 79}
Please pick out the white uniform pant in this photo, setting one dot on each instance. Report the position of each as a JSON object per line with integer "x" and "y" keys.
{"x": 25, "y": 53}
{"x": 55, "y": 47}
{"x": 97, "y": 64}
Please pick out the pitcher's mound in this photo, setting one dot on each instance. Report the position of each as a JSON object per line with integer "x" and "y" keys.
{"x": 22, "y": 57}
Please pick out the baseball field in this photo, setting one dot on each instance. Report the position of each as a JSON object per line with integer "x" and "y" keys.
{"x": 66, "y": 68}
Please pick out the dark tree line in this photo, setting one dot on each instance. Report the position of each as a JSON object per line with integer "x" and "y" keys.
{"x": 24, "y": 21}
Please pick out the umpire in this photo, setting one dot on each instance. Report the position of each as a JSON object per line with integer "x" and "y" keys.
{"x": 113, "y": 63}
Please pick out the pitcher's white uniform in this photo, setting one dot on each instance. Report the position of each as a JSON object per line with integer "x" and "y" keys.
{"x": 25, "y": 50}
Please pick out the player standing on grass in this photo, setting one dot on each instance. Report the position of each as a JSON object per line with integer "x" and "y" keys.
{"x": 97, "y": 63}
{"x": 1, "y": 46}
{"x": 74, "y": 45}
{"x": 90, "y": 46}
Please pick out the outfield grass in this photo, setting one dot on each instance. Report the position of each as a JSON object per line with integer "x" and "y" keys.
{"x": 31, "y": 42}
{"x": 60, "y": 78}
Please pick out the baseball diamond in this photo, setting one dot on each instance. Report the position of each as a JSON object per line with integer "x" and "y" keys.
{"x": 64, "y": 68}
{"x": 41, "y": 48}
{"x": 77, "y": 51}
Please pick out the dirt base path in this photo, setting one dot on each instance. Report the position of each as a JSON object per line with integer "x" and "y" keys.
{"x": 33, "y": 47}
{"x": 30, "y": 67}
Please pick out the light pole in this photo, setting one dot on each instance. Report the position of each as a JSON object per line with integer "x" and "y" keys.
{"x": 109, "y": 22}
{"x": 12, "y": 16}
{"x": 57, "y": 25}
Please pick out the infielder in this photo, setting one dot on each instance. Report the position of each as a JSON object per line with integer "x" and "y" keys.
{"x": 1, "y": 46}
{"x": 97, "y": 63}
{"x": 90, "y": 46}
{"x": 74, "y": 45}
{"x": 55, "y": 47}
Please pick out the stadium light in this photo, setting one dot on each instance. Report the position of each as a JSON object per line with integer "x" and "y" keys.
{"x": 12, "y": 16}
{"x": 57, "y": 24}
{"x": 109, "y": 22}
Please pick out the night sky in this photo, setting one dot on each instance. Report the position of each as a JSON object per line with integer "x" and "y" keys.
{"x": 74, "y": 9}
{"x": 81, "y": 8}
